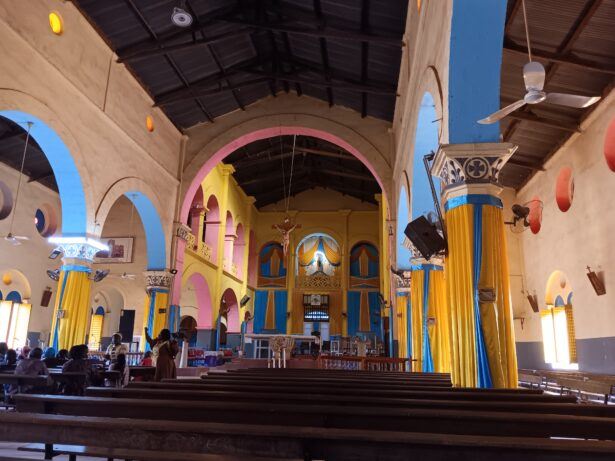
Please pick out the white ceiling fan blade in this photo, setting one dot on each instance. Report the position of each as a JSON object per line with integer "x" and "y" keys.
{"x": 21, "y": 237}
{"x": 571, "y": 100}
{"x": 500, "y": 114}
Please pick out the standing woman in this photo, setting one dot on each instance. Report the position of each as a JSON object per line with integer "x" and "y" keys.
{"x": 164, "y": 351}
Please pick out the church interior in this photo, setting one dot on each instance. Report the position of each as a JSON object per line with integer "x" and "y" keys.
{"x": 307, "y": 230}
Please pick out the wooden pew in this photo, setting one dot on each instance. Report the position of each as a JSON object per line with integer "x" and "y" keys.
{"x": 580, "y": 386}
{"x": 278, "y": 441}
{"x": 467, "y": 420}
{"x": 380, "y": 402}
{"x": 23, "y": 380}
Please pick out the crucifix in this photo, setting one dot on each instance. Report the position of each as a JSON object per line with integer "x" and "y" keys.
{"x": 285, "y": 228}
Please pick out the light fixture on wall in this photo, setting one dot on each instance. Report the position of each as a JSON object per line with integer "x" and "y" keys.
{"x": 596, "y": 282}
{"x": 53, "y": 275}
{"x": 245, "y": 300}
{"x": 533, "y": 300}
{"x": 100, "y": 275}
{"x": 55, "y": 23}
{"x": 55, "y": 253}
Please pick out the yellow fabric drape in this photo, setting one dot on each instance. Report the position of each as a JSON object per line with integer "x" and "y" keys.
{"x": 296, "y": 313}
{"x": 416, "y": 308}
{"x": 270, "y": 311}
{"x": 96, "y": 329}
{"x": 460, "y": 295}
{"x": 364, "y": 322}
{"x": 439, "y": 332}
{"x": 401, "y": 324}
{"x": 161, "y": 302}
{"x": 335, "y": 313}
{"x": 332, "y": 255}
{"x": 307, "y": 255}
{"x": 74, "y": 301}
{"x": 497, "y": 317}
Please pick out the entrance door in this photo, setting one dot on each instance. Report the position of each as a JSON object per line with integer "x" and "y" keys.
{"x": 127, "y": 324}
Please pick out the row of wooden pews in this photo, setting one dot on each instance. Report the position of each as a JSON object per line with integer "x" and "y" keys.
{"x": 315, "y": 415}
{"x": 586, "y": 386}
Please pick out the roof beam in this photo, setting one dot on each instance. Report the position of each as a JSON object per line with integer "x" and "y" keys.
{"x": 364, "y": 54}
{"x": 324, "y": 153}
{"x": 540, "y": 120}
{"x": 324, "y": 32}
{"x": 570, "y": 60}
{"x": 165, "y": 47}
{"x": 346, "y": 174}
{"x": 324, "y": 54}
{"x": 527, "y": 165}
{"x": 41, "y": 176}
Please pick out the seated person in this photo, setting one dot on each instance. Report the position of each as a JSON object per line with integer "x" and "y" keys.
{"x": 115, "y": 348}
{"x": 121, "y": 366}
{"x": 24, "y": 353}
{"x": 62, "y": 355}
{"x": 4, "y": 348}
{"x": 78, "y": 363}
{"x": 10, "y": 360}
{"x": 31, "y": 366}
{"x": 147, "y": 361}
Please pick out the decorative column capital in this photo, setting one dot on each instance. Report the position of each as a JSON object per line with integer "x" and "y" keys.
{"x": 78, "y": 250}
{"x": 161, "y": 280}
{"x": 184, "y": 233}
{"x": 471, "y": 168}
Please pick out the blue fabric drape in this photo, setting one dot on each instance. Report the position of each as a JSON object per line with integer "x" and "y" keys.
{"x": 260, "y": 310}
{"x": 354, "y": 308}
{"x": 150, "y": 317}
{"x": 375, "y": 319}
{"x": 281, "y": 302}
{"x": 473, "y": 199}
{"x": 484, "y": 373}
{"x": 174, "y": 316}
{"x": 427, "y": 358}
{"x": 56, "y": 334}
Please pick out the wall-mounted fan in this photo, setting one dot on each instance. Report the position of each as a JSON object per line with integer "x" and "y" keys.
{"x": 521, "y": 219}
{"x": 534, "y": 77}
{"x": 10, "y": 237}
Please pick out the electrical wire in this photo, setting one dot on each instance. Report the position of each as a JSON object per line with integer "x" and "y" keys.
{"x": 23, "y": 161}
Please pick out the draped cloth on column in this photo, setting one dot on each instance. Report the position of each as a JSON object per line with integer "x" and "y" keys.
{"x": 155, "y": 313}
{"x": 73, "y": 299}
{"x": 401, "y": 324}
{"x": 482, "y": 339}
{"x": 429, "y": 319}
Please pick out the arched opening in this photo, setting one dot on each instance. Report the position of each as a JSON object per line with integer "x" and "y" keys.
{"x": 229, "y": 243}
{"x": 195, "y": 217}
{"x": 211, "y": 227}
{"x": 188, "y": 326}
{"x": 229, "y": 324}
{"x": 557, "y": 321}
{"x": 238, "y": 251}
{"x": 318, "y": 253}
{"x": 196, "y": 300}
{"x": 364, "y": 316}
{"x": 47, "y": 148}
{"x": 425, "y": 141}
{"x": 96, "y": 329}
{"x": 109, "y": 303}
{"x": 15, "y": 309}
{"x": 403, "y": 218}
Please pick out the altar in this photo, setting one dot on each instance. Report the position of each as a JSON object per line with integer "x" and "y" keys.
{"x": 259, "y": 338}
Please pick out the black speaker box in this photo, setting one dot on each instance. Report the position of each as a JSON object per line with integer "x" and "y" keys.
{"x": 425, "y": 237}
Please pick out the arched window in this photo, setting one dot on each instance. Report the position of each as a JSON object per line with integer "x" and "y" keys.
{"x": 229, "y": 242}
{"x": 318, "y": 254}
{"x": 364, "y": 295}
{"x": 96, "y": 328}
{"x": 558, "y": 335}
{"x": 272, "y": 270}
{"x": 14, "y": 320}
{"x": 238, "y": 251}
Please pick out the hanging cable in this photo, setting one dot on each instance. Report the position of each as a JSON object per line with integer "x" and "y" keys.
{"x": 283, "y": 172}
{"x": 23, "y": 161}
{"x": 527, "y": 30}
{"x": 290, "y": 180}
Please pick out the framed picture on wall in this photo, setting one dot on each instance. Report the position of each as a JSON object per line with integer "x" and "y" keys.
{"x": 120, "y": 250}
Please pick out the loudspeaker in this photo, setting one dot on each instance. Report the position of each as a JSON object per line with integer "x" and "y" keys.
{"x": 425, "y": 237}
{"x": 46, "y": 298}
{"x": 245, "y": 300}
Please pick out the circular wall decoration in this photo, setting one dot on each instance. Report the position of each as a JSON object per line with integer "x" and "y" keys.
{"x": 6, "y": 278}
{"x": 609, "y": 145}
{"x": 6, "y": 201}
{"x": 55, "y": 23}
{"x": 149, "y": 123}
{"x": 564, "y": 189}
{"x": 45, "y": 221}
{"x": 535, "y": 216}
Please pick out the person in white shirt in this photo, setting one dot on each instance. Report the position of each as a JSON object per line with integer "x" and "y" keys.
{"x": 115, "y": 348}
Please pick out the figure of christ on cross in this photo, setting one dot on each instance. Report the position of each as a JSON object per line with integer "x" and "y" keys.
{"x": 285, "y": 228}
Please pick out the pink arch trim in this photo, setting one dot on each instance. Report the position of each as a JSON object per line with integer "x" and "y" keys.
{"x": 233, "y": 314}
{"x": 203, "y": 300}
{"x": 264, "y": 134}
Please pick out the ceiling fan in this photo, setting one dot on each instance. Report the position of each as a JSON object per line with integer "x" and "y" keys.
{"x": 10, "y": 237}
{"x": 534, "y": 77}
{"x": 124, "y": 276}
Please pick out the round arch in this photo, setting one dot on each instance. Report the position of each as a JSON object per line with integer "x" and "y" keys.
{"x": 403, "y": 254}
{"x": 232, "y": 317}
{"x": 250, "y": 131}
{"x": 202, "y": 296}
{"x": 67, "y": 176}
{"x": 18, "y": 282}
{"x": 147, "y": 205}
{"x": 558, "y": 289}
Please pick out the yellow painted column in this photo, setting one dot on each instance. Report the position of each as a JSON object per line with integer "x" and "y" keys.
{"x": 156, "y": 308}
{"x": 217, "y": 291}
{"x": 72, "y": 307}
{"x": 346, "y": 248}
{"x": 476, "y": 268}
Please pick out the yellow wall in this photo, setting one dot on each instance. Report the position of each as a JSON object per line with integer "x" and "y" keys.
{"x": 346, "y": 226}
